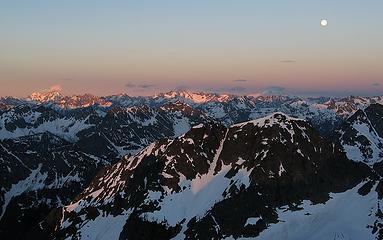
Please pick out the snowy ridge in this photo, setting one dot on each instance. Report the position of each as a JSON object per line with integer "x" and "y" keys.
{"x": 346, "y": 215}
{"x": 270, "y": 120}
{"x": 24, "y": 121}
{"x": 359, "y": 137}
{"x": 193, "y": 97}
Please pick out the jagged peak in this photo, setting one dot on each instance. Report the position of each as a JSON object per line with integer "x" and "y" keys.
{"x": 196, "y": 97}
{"x": 46, "y": 96}
{"x": 74, "y": 101}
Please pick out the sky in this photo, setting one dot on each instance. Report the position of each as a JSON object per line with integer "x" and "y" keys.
{"x": 141, "y": 47}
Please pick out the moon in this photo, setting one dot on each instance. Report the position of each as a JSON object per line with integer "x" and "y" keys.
{"x": 323, "y": 22}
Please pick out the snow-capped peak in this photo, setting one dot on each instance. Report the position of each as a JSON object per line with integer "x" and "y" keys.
{"x": 70, "y": 102}
{"x": 195, "y": 97}
{"x": 46, "y": 96}
{"x": 270, "y": 120}
{"x": 361, "y": 136}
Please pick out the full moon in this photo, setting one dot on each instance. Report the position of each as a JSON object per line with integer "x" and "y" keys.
{"x": 323, "y": 22}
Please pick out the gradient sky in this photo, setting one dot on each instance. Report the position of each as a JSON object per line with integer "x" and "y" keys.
{"x": 140, "y": 47}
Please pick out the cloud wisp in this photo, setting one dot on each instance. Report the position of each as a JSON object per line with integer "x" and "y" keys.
{"x": 140, "y": 86}
{"x": 274, "y": 90}
{"x": 288, "y": 61}
{"x": 240, "y": 80}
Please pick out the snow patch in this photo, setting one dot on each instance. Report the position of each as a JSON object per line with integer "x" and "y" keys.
{"x": 346, "y": 214}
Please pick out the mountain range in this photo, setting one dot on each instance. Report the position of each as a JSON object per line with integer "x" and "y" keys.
{"x": 183, "y": 165}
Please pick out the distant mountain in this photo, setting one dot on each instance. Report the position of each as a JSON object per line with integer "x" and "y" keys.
{"x": 75, "y": 118}
{"x": 75, "y": 101}
{"x": 349, "y": 105}
{"x": 324, "y": 113}
{"x": 216, "y": 182}
{"x": 9, "y": 102}
{"x": 46, "y": 96}
{"x": 193, "y": 98}
{"x": 127, "y": 130}
{"x": 341, "y": 106}
{"x": 24, "y": 120}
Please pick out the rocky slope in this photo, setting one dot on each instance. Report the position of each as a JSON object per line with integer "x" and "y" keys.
{"x": 39, "y": 172}
{"x": 361, "y": 136}
{"x": 213, "y": 182}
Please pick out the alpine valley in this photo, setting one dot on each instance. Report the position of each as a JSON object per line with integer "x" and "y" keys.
{"x": 185, "y": 165}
